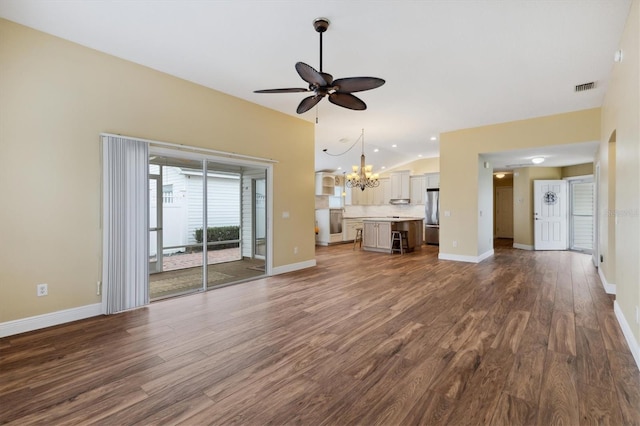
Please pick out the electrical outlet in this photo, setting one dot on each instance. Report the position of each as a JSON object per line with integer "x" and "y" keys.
{"x": 42, "y": 290}
{"x": 295, "y": 250}
{"x": 455, "y": 243}
{"x": 98, "y": 288}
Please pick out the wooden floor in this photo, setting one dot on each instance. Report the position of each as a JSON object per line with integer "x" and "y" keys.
{"x": 363, "y": 338}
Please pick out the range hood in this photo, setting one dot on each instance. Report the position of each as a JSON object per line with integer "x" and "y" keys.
{"x": 399, "y": 201}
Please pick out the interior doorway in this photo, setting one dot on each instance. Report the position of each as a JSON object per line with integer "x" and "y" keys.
{"x": 504, "y": 212}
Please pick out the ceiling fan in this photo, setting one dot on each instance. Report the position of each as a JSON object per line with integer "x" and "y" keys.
{"x": 322, "y": 84}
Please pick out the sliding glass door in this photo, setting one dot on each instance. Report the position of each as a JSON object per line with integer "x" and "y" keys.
{"x": 202, "y": 212}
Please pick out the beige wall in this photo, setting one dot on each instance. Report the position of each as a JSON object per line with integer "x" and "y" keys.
{"x": 577, "y": 170}
{"x": 621, "y": 114}
{"x": 523, "y": 232}
{"x": 55, "y": 99}
{"x": 459, "y": 151}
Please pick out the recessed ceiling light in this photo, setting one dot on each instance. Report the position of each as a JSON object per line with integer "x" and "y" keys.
{"x": 339, "y": 168}
{"x": 394, "y": 146}
{"x": 383, "y": 167}
{"x": 376, "y": 150}
{"x": 537, "y": 160}
{"x": 433, "y": 138}
{"x": 419, "y": 155}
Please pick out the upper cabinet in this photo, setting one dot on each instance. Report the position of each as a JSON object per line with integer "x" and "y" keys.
{"x": 325, "y": 184}
{"x": 433, "y": 180}
{"x": 400, "y": 182}
{"x": 370, "y": 196}
{"x": 418, "y": 188}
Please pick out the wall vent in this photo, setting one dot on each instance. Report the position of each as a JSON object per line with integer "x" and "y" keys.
{"x": 585, "y": 86}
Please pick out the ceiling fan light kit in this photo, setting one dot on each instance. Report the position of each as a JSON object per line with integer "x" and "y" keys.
{"x": 339, "y": 92}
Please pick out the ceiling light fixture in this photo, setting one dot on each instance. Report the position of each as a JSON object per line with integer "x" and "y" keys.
{"x": 537, "y": 160}
{"x": 394, "y": 146}
{"x": 499, "y": 175}
{"x": 362, "y": 177}
{"x": 433, "y": 138}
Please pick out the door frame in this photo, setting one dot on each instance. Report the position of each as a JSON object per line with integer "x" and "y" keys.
{"x": 156, "y": 267}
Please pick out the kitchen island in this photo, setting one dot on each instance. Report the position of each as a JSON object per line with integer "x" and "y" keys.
{"x": 377, "y": 232}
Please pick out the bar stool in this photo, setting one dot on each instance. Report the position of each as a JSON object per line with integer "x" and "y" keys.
{"x": 401, "y": 238}
{"x": 358, "y": 238}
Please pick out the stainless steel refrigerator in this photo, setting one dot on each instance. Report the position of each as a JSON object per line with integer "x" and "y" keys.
{"x": 432, "y": 216}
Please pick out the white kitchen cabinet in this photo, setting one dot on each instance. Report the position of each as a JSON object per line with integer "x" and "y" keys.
{"x": 349, "y": 229}
{"x": 377, "y": 236}
{"x": 418, "y": 187}
{"x": 325, "y": 184}
{"x": 400, "y": 182}
{"x": 433, "y": 180}
{"x": 381, "y": 193}
{"x": 370, "y": 196}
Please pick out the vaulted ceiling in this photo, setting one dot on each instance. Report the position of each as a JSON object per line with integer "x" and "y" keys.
{"x": 448, "y": 65}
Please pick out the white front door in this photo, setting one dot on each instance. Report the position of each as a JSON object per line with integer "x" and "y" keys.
{"x": 550, "y": 214}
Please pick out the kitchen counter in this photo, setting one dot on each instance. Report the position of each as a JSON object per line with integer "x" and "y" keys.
{"x": 391, "y": 219}
{"x": 377, "y": 232}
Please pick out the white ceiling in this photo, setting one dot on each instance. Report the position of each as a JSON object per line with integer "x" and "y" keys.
{"x": 448, "y": 65}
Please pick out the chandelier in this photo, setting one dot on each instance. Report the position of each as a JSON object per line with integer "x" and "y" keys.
{"x": 362, "y": 177}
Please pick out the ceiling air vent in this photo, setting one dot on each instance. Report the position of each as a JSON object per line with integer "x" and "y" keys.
{"x": 585, "y": 86}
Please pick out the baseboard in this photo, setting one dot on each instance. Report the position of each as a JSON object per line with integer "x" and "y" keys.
{"x": 628, "y": 334}
{"x": 522, "y": 246}
{"x": 37, "y": 322}
{"x": 277, "y": 270}
{"x": 608, "y": 287}
{"x": 462, "y": 258}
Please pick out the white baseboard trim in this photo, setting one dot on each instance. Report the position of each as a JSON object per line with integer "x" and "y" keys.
{"x": 522, "y": 246}
{"x": 463, "y": 258}
{"x": 608, "y": 287}
{"x": 37, "y": 322}
{"x": 628, "y": 334}
{"x": 277, "y": 270}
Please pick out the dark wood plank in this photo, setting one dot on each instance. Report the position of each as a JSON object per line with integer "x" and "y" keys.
{"x": 626, "y": 377}
{"x": 559, "y": 395}
{"x": 513, "y": 411}
{"x": 599, "y": 406}
{"x": 562, "y": 337}
{"x": 592, "y": 361}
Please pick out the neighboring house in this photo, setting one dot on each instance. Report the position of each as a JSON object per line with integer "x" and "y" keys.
{"x": 182, "y": 205}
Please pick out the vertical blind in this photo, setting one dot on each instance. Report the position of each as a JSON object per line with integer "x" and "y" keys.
{"x": 125, "y": 251}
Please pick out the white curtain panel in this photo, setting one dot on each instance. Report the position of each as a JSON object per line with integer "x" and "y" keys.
{"x": 125, "y": 247}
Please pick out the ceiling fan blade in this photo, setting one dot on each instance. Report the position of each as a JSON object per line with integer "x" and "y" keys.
{"x": 291, "y": 90}
{"x": 357, "y": 84}
{"x": 310, "y": 75}
{"x": 308, "y": 103}
{"x": 347, "y": 100}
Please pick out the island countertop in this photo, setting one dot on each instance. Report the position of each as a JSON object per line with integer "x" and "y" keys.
{"x": 391, "y": 219}
{"x": 377, "y": 232}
